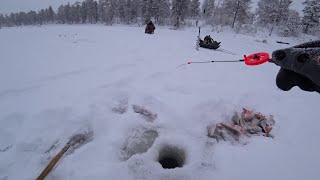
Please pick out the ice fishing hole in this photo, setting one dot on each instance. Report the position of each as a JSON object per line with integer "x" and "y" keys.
{"x": 171, "y": 157}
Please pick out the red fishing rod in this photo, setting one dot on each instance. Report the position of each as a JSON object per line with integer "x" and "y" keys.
{"x": 250, "y": 60}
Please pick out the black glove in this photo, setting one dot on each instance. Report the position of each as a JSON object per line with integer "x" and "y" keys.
{"x": 300, "y": 66}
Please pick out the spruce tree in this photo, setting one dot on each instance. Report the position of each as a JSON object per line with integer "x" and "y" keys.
{"x": 180, "y": 9}
{"x": 208, "y": 8}
{"x": 311, "y": 14}
{"x": 194, "y": 10}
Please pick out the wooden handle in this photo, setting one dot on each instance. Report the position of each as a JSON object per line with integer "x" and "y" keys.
{"x": 53, "y": 162}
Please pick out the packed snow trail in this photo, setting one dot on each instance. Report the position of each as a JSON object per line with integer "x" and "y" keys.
{"x": 56, "y": 81}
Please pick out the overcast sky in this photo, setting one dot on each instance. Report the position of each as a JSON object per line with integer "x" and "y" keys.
{"x": 7, "y": 6}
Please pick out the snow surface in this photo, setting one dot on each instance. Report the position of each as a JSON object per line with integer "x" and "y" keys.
{"x": 56, "y": 81}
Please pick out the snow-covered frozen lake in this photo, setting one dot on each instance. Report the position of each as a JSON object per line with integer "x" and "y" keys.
{"x": 58, "y": 80}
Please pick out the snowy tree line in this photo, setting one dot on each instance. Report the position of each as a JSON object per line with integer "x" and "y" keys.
{"x": 273, "y": 15}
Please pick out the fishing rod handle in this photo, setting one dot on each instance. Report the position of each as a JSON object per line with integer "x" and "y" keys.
{"x": 53, "y": 162}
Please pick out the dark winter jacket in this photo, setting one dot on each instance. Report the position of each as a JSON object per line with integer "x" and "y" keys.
{"x": 150, "y": 28}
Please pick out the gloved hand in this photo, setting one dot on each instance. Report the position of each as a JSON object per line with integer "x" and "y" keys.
{"x": 300, "y": 66}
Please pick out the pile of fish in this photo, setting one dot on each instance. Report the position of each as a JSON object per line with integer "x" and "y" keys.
{"x": 246, "y": 124}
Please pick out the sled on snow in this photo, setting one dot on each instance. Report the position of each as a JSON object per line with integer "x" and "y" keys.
{"x": 207, "y": 42}
{"x": 214, "y": 45}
